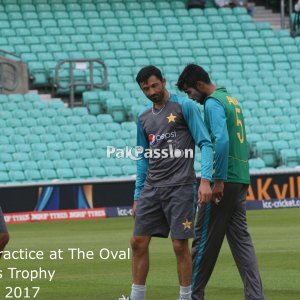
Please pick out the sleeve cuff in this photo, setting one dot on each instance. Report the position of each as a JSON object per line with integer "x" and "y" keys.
{"x": 205, "y": 177}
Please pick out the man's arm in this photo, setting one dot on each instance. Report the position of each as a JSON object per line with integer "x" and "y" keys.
{"x": 216, "y": 117}
{"x": 142, "y": 164}
{"x": 201, "y": 137}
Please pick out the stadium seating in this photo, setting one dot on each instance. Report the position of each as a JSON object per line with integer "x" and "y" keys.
{"x": 259, "y": 66}
{"x": 30, "y": 151}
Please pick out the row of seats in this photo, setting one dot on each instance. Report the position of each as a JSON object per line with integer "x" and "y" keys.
{"x": 35, "y": 35}
{"x": 188, "y": 23}
{"x": 109, "y": 8}
{"x": 64, "y": 174}
{"x": 108, "y": 16}
{"x": 132, "y": 40}
{"x": 254, "y": 108}
{"x": 109, "y": 25}
{"x": 89, "y": 5}
{"x": 38, "y": 134}
{"x": 166, "y": 49}
{"x": 143, "y": 40}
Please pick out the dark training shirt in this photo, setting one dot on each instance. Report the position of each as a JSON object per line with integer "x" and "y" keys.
{"x": 168, "y": 137}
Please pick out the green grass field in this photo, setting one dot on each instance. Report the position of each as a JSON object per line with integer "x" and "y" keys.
{"x": 276, "y": 235}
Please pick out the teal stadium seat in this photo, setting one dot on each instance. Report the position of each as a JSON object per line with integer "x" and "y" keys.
{"x": 280, "y": 145}
{"x": 14, "y": 166}
{"x": 81, "y": 173}
{"x": 4, "y": 178}
{"x": 282, "y": 119}
{"x": 289, "y": 157}
{"x": 16, "y": 176}
{"x": 47, "y": 138}
{"x": 225, "y": 11}
{"x": 7, "y": 148}
{"x": 286, "y": 136}
{"x": 97, "y": 172}
{"x": 256, "y": 164}
{"x": 6, "y": 157}
{"x": 65, "y": 174}
{"x": 263, "y": 26}
{"x": 9, "y": 132}
{"x": 264, "y": 149}
{"x": 32, "y": 175}
{"x": 114, "y": 171}
{"x": 239, "y": 11}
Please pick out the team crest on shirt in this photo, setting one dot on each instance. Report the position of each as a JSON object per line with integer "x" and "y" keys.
{"x": 187, "y": 224}
{"x": 171, "y": 118}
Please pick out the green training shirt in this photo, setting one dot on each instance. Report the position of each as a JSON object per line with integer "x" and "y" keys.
{"x": 238, "y": 166}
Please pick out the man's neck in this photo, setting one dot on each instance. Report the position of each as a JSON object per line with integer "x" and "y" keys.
{"x": 210, "y": 89}
{"x": 163, "y": 102}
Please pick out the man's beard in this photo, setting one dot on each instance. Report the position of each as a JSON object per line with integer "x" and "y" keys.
{"x": 158, "y": 97}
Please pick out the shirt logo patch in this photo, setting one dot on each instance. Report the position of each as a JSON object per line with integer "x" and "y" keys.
{"x": 152, "y": 139}
{"x": 171, "y": 118}
{"x": 187, "y": 224}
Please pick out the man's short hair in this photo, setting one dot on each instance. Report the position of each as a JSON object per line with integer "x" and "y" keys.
{"x": 145, "y": 73}
{"x": 190, "y": 75}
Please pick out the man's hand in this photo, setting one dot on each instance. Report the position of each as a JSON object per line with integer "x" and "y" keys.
{"x": 204, "y": 191}
{"x": 217, "y": 191}
{"x": 135, "y": 203}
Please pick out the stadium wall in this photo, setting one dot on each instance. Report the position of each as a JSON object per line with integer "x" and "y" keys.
{"x": 114, "y": 199}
